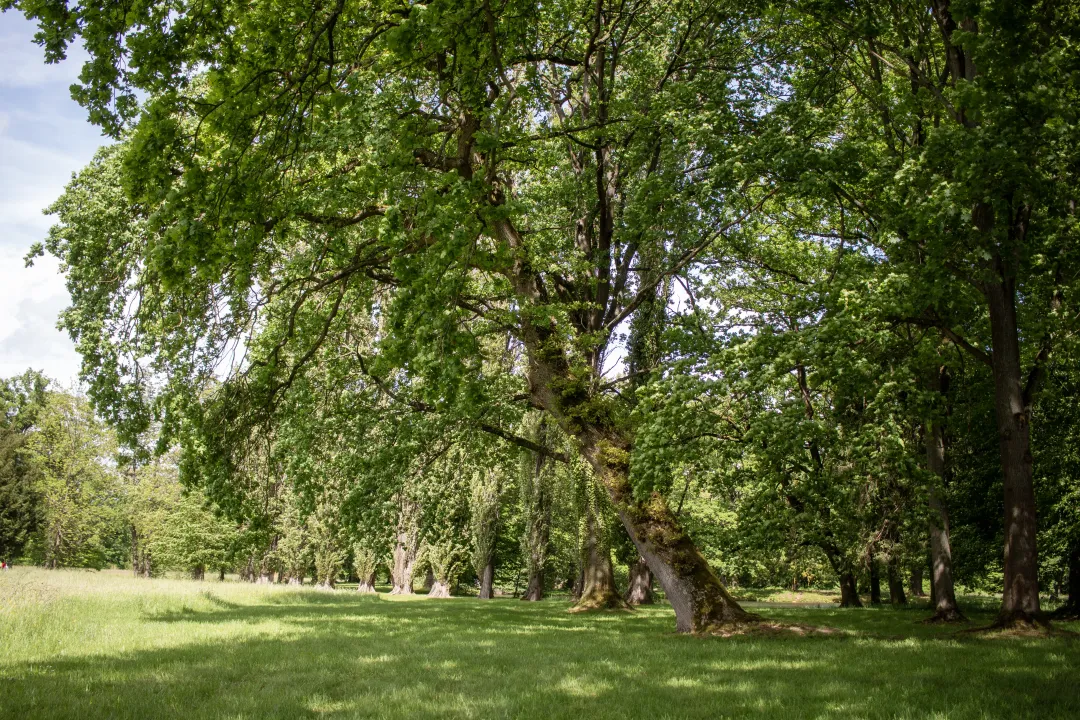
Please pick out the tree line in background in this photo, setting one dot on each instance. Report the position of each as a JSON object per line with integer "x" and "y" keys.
{"x": 754, "y": 291}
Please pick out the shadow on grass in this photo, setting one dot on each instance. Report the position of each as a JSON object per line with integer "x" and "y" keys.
{"x": 328, "y": 655}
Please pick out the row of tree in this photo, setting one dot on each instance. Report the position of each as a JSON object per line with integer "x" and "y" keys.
{"x": 792, "y": 279}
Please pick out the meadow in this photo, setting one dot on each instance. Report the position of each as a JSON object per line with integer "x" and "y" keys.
{"x": 80, "y": 644}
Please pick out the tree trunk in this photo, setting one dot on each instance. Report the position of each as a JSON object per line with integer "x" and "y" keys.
{"x": 875, "y": 581}
{"x": 849, "y": 591}
{"x": 700, "y": 601}
{"x": 639, "y": 589}
{"x": 221, "y": 574}
{"x": 598, "y": 590}
{"x": 198, "y": 572}
{"x": 438, "y": 589}
{"x": 915, "y": 581}
{"x": 535, "y": 590}
{"x": 366, "y": 585}
{"x": 1020, "y": 596}
{"x": 402, "y": 572}
{"x": 406, "y": 549}
{"x": 487, "y": 581}
{"x": 296, "y": 580}
{"x": 429, "y": 580}
{"x": 896, "y": 583}
{"x": 943, "y": 594}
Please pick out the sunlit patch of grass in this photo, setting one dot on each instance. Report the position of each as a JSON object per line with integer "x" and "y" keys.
{"x": 82, "y": 644}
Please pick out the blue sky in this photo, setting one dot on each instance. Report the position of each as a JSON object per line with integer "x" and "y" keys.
{"x": 44, "y": 138}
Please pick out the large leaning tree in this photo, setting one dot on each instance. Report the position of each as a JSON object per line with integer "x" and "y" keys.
{"x": 451, "y": 171}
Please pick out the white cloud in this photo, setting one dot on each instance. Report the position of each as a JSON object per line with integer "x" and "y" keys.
{"x": 44, "y": 137}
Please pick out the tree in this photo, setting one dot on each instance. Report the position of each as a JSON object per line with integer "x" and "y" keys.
{"x": 81, "y": 499}
{"x": 965, "y": 181}
{"x": 21, "y": 400}
{"x": 295, "y": 189}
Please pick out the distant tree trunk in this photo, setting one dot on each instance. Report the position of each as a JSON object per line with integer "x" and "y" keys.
{"x": 943, "y": 594}
{"x": 875, "y": 581}
{"x": 598, "y": 591}
{"x": 407, "y": 547}
{"x": 439, "y": 589}
{"x": 579, "y": 583}
{"x": 896, "y": 583}
{"x": 915, "y": 581}
{"x": 221, "y": 574}
{"x": 849, "y": 592}
{"x": 487, "y": 581}
{"x": 1012, "y": 408}
{"x": 535, "y": 590}
{"x": 296, "y": 579}
{"x": 849, "y": 589}
{"x": 429, "y": 580}
{"x": 639, "y": 589}
{"x": 366, "y": 585}
{"x": 198, "y": 572}
{"x": 536, "y": 502}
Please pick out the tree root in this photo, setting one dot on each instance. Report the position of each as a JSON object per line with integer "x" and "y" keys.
{"x": 946, "y": 617}
{"x": 600, "y": 601}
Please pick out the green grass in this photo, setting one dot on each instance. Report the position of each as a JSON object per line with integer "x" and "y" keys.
{"x": 92, "y": 645}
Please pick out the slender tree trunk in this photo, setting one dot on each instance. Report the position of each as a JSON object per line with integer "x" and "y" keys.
{"x": 429, "y": 580}
{"x": 875, "y": 580}
{"x": 639, "y": 589}
{"x": 221, "y": 574}
{"x": 487, "y": 581}
{"x": 1020, "y": 596}
{"x": 943, "y": 593}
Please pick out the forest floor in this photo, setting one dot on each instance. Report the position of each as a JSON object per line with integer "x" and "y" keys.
{"x": 88, "y": 645}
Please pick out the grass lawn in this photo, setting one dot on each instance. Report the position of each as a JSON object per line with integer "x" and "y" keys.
{"x": 95, "y": 645}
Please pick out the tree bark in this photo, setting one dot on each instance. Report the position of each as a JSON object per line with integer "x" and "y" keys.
{"x": 639, "y": 589}
{"x": 943, "y": 594}
{"x": 487, "y": 581}
{"x": 1020, "y": 596}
